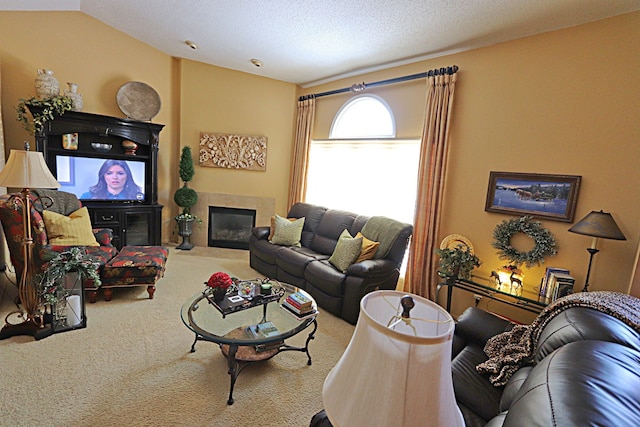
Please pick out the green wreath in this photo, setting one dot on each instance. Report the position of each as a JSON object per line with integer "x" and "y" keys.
{"x": 544, "y": 242}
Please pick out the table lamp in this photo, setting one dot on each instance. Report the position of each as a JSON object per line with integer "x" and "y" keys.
{"x": 396, "y": 371}
{"x": 598, "y": 225}
{"x": 26, "y": 169}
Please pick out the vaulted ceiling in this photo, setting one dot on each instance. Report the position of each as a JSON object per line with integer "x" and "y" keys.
{"x": 308, "y": 42}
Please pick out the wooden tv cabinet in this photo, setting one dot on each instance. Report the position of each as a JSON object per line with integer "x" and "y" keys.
{"x": 133, "y": 223}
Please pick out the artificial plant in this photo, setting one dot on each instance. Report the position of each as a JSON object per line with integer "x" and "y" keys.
{"x": 457, "y": 262}
{"x": 186, "y": 197}
{"x": 45, "y": 110}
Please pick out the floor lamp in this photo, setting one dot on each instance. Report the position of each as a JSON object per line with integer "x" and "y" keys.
{"x": 396, "y": 371}
{"x": 598, "y": 225}
{"x": 26, "y": 169}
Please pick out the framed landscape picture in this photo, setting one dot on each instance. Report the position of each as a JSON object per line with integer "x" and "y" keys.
{"x": 540, "y": 195}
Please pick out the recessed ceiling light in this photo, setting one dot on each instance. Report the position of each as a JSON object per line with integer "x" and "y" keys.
{"x": 256, "y": 62}
{"x": 191, "y": 44}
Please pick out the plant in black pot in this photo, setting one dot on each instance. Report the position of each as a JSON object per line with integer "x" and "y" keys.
{"x": 186, "y": 197}
{"x": 457, "y": 262}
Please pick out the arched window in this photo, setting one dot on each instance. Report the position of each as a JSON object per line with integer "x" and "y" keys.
{"x": 365, "y": 116}
{"x": 362, "y": 167}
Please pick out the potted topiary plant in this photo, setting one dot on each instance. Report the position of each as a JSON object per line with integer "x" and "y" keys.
{"x": 186, "y": 198}
{"x": 457, "y": 262}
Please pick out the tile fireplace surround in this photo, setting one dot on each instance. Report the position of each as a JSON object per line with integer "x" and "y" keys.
{"x": 265, "y": 208}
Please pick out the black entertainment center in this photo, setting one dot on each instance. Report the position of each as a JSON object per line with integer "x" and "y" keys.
{"x": 76, "y": 144}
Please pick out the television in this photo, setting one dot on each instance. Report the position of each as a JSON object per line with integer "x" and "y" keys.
{"x": 80, "y": 175}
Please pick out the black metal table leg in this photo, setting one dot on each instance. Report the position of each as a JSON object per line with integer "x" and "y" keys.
{"x": 233, "y": 370}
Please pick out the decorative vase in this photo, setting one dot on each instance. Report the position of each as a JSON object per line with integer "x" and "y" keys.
{"x": 76, "y": 97}
{"x": 219, "y": 294}
{"x": 47, "y": 86}
{"x": 185, "y": 228}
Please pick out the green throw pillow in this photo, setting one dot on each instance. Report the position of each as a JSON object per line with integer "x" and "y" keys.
{"x": 346, "y": 252}
{"x": 287, "y": 232}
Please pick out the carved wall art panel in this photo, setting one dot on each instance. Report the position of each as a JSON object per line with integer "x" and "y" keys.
{"x": 219, "y": 150}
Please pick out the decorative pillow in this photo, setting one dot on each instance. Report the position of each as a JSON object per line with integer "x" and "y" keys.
{"x": 273, "y": 226}
{"x": 287, "y": 233}
{"x": 369, "y": 248}
{"x": 346, "y": 252}
{"x": 72, "y": 230}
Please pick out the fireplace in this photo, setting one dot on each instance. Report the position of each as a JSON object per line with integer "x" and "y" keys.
{"x": 230, "y": 227}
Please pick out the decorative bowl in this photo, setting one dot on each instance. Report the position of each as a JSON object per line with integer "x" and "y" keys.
{"x": 100, "y": 147}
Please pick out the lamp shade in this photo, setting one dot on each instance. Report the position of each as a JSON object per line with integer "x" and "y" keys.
{"x": 598, "y": 224}
{"x": 27, "y": 169}
{"x": 395, "y": 372}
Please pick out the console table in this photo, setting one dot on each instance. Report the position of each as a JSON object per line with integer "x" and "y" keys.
{"x": 519, "y": 297}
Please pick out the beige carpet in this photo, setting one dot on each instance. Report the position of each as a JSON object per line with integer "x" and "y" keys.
{"x": 132, "y": 366}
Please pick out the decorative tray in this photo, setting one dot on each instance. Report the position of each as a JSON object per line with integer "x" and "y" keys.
{"x": 138, "y": 101}
{"x": 233, "y": 302}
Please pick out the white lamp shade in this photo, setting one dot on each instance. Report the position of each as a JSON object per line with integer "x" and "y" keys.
{"x": 398, "y": 376}
{"x": 27, "y": 169}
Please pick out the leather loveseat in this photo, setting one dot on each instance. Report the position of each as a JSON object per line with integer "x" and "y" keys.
{"x": 585, "y": 371}
{"x": 307, "y": 266}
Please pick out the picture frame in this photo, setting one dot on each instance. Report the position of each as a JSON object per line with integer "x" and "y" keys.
{"x": 548, "y": 196}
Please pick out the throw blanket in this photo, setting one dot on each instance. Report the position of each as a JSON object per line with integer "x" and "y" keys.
{"x": 384, "y": 230}
{"x": 510, "y": 350}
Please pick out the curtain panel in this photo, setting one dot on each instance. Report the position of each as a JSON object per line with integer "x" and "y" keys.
{"x": 300, "y": 154}
{"x": 421, "y": 276}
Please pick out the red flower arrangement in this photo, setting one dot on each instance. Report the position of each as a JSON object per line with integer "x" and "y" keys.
{"x": 220, "y": 280}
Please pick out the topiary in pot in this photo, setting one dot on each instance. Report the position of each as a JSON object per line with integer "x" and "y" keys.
{"x": 186, "y": 198}
{"x": 457, "y": 262}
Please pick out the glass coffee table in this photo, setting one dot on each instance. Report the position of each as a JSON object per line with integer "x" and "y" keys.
{"x": 255, "y": 333}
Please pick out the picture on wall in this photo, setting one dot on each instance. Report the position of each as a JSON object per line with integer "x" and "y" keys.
{"x": 552, "y": 197}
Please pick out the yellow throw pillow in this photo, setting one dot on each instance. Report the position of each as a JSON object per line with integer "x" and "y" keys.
{"x": 72, "y": 230}
{"x": 369, "y": 248}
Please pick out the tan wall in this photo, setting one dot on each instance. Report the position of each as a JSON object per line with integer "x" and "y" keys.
{"x": 99, "y": 59}
{"x": 565, "y": 102}
{"x": 218, "y": 100}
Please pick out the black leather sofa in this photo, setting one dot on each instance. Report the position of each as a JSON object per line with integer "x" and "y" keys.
{"x": 586, "y": 372}
{"x": 307, "y": 266}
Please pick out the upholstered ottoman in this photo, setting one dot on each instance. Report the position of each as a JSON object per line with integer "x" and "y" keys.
{"x": 134, "y": 266}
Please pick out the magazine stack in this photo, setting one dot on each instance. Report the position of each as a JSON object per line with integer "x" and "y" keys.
{"x": 299, "y": 305}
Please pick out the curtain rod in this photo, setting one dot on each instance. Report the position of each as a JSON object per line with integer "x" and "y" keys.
{"x": 361, "y": 87}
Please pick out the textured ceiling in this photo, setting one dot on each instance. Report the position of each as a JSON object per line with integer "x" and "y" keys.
{"x": 315, "y": 41}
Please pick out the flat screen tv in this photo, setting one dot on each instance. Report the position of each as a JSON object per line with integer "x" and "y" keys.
{"x": 102, "y": 179}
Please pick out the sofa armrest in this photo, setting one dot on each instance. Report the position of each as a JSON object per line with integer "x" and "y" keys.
{"x": 372, "y": 268}
{"x": 478, "y": 326}
{"x": 261, "y": 232}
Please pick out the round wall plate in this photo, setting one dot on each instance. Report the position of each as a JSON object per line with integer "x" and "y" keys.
{"x": 454, "y": 240}
{"x": 138, "y": 101}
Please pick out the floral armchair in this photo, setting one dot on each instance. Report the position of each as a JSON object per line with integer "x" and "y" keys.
{"x": 12, "y": 223}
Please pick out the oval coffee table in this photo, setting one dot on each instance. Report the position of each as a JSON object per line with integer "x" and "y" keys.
{"x": 230, "y": 331}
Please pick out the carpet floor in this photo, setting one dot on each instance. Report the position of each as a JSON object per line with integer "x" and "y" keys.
{"x": 132, "y": 365}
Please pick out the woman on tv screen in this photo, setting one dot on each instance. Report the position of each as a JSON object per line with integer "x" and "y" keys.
{"x": 115, "y": 182}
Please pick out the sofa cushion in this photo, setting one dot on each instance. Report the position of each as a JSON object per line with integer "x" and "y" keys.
{"x": 346, "y": 252}
{"x": 294, "y": 259}
{"x": 583, "y": 323}
{"x": 325, "y": 277}
{"x": 72, "y": 230}
{"x": 582, "y": 383}
{"x": 312, "y": 215}
{"x": 333, "y": 222}
{"x": 368, "y": 250}
{"x": 472, "y": 389}
{"x": 287, "y": 233}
